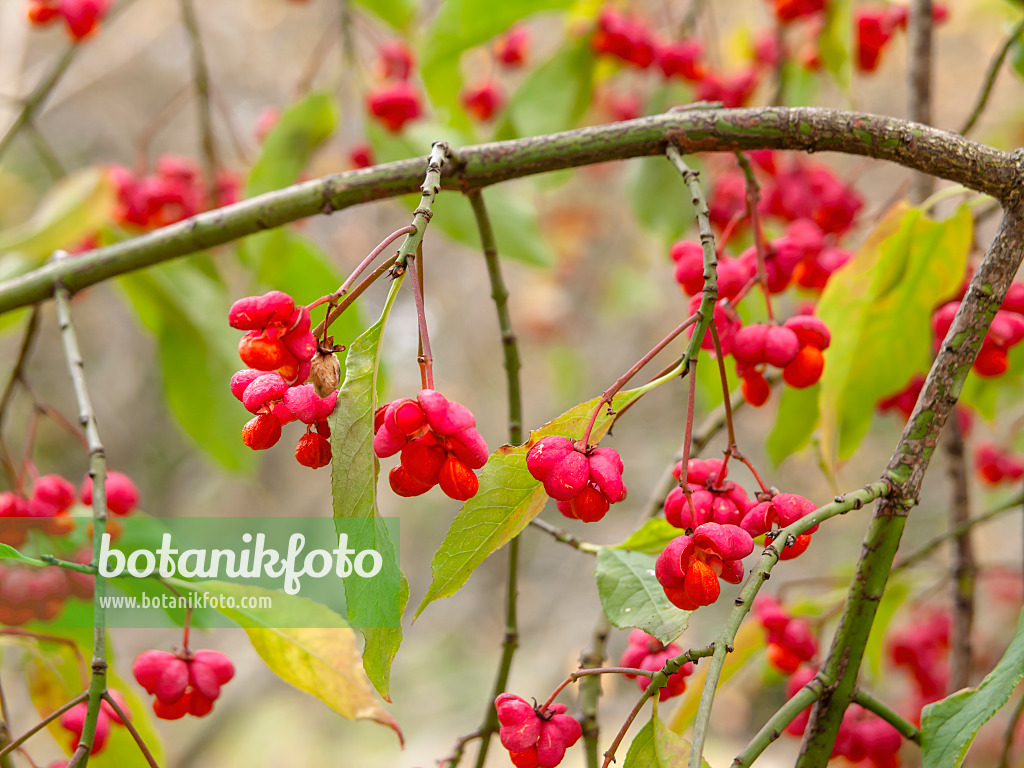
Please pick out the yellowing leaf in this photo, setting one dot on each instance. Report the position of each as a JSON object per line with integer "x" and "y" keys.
{"x": 326, "y": 663}
{"x": 508, "y": 499}
{"x": 74, "y": 208}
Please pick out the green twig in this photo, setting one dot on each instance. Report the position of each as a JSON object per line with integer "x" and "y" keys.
{"x": 590, "y": 691}
{"x": 930, "y": 547}
{"x": 775, "y": 726}
{"x": 201, "y": 78}
{"x": 905, "y": 472}
{"x": 964, "y": 564}
{"x": 990, "y": 77}
{"x": 98, "y": 474}
{"x": 944, "y": 154}
{"x": 37, "y": 98}
{"x": 658, "y": 681}
{"x": 565, "y": 537}
{"x": 906, "y": 728}
{"x": 127, "y": 722}
{"x": 760, "y": 573}
{"x": 499, "y": 293}
{"x": 13, "y": 745}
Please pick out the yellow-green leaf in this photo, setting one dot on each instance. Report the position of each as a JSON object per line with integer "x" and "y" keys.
{"x": 74, "y": 208}
{"x": 508, "y": 499}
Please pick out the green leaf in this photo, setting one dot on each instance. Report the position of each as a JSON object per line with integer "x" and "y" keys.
{"x": 555, "y": 95}
{"x": 10, "y": 553}
{"x": 508, "y": 499}
{"x": 655, "y": 746}
{"x": 651, "y": 537}
{"x": 354, "y": 471}
{"x": 879, "y": 307}
{"x": 323, "y": 661}
{"x": 75, "y": 207}
{"x": 458, "y": 26}
{"x": 836, "y": 42}
{"x": 187, "y": 312}
{"x": 795, "y": 422}
{"x": 286, "y": 150}
{"x": 949, "y": 726}
{"x": 398, "y": 13}
{"x": 632, "y": 597}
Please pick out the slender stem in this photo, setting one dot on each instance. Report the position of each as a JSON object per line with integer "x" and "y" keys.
{"x": 990, "y": 77}
{"x": 758, "y": 575}
{"x": 201, "y": 78}
{"x": 513, "y": 387}
{"x": 45, "y": 152}
{"x": 927, "y": 549}
{"x": 907, "y": 729}
{"x": 590, "y": 691}
{"x": 40, "y": 725}
{"x": 919, "y": 81}
{"x": 684, "y": 464}
{"x": 426, "y": 357}
{"x": 363, "y": 266}
{"x": 703, "y": 434}
{"x": 351, "y": 297}
{"x": 18, "y": 377}
{"x": 753, "y": 199}
{"x": 608, "y": 395}
{"x": 98, "y": 473}
{"x": 460, "y": 746}
{"x": 439, "y": 154}
{"x": 565, "y": 537}
{"x": 1010, "y": 733}
{"x": 964, "y": 565}
{"x": 5, "y": 732}
{"x": 77, "y": 567}
{"x": 127, "y": 722}
{"x": 509, "y": 644}
{"x": 38, "y": 97}
{"x": 777, "y": 723}
{"x": 499, "y": 294}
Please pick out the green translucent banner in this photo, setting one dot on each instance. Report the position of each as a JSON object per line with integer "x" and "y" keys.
{"x": 228, "y": 571}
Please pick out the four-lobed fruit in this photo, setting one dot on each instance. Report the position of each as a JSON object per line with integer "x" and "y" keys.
{"x": 584, "y": 483}
{"x": 690, "y": 566}
{"x": 183, "y": 683}
{"x": 532, "y": 735}
{"x": 438, "y": 444}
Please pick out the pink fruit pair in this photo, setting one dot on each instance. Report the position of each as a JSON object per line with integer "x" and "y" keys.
{"x": 535, "y": 737}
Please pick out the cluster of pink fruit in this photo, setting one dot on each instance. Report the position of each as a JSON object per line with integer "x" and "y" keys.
{"x": 173, "y": 192}
{"x": 632, "y": 42}
{"x": 278, "y": 349}
{"x": 584, "y": 481}
{"x": 82, "y": 17}
{"x": 874, "y": 26}
{"x": 721, "y": 523}
{"x": 26, "y": 593}
{"x": 535, "y": 736}
{"x": 790, "y": 639}
{"x": 438, "y": 441}
{"x": 183, "y": 683}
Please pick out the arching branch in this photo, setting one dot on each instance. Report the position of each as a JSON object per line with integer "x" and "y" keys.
{"x": 940, "y": 153}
